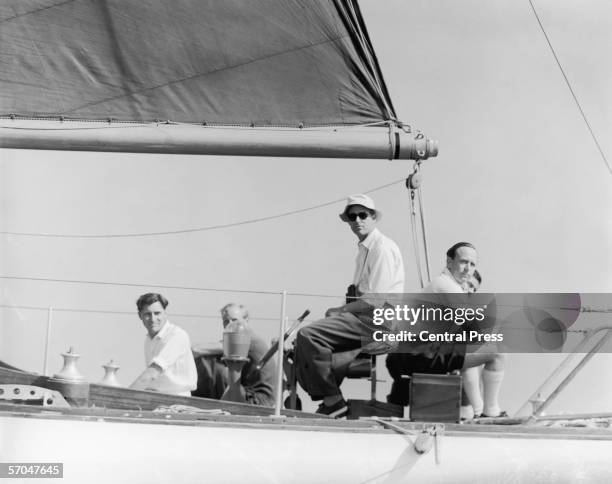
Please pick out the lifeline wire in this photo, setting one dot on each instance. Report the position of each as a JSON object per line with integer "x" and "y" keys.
{"x": 202, "y": 316}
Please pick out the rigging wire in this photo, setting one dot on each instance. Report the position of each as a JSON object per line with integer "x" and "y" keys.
{"x": 413, "y": 184}
{"x": 127, "y": 313}
{"x": 417, "y": 167}
{"x": 166, "y": 286}
{"x": 581, "y": 309}
{"x": 603, "y": 156}
{"x": 425, "y": 248}
{"x": 216, "y": 316}
{"x": 197, "y": 229}
{"x": 185, "y": 288}
{"x": 415, "y": 242}
{"x": 130, "y": 284}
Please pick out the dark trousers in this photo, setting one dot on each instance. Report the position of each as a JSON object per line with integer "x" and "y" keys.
{"x": 436, "y": 359}
{"x": 212, "y": 377}
{"x": 321, "y": 351}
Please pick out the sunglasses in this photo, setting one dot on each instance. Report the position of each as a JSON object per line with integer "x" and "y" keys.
{"x": 353, "y": 216}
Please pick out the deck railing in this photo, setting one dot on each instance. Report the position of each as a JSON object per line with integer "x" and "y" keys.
{"x": 539, "y": 403}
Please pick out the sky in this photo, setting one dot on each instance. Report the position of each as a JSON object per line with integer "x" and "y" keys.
{"x": 518, "y": 175}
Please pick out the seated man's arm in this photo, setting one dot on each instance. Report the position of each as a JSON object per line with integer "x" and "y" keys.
{"x": 356, "y": 306}
{"x": 146, "y": 380}
{"x": 260, "y": 387}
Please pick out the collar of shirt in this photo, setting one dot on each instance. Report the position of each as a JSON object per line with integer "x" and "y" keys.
{"x": 164, "y": 331}
{"x": 452, "y": 278}
{"x": 370, "y": 239}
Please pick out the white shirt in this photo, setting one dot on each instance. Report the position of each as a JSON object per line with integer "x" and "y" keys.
{"x": 170, "y": 349}
{"x": 379, "y": 267}
{"x": 444, "y": 283}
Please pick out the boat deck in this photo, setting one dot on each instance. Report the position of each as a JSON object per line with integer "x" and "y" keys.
{"x": 88, "y": 401}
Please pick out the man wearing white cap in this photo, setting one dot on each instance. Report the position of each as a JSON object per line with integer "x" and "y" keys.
{"x": 379, "y": 270}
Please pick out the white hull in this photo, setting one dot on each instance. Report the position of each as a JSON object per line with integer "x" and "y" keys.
{"x": 95, "y": 450}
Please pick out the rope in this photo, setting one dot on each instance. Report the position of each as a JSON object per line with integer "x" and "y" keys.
{"x": 127, "y": 124}
{"x": 197, "y": 229}
{"x": 413, "y": 226}
{"x": 423, "y": 232}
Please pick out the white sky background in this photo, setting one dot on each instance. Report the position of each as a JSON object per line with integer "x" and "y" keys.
{"x": 518, "y": 175}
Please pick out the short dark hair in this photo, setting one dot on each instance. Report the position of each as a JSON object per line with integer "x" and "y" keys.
{"x": 151, "y": 298}
{"x": 477, "y": 276}
{"x": 453, "y": 250}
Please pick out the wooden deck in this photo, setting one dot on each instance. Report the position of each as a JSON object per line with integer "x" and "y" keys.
{"x": 85, "y": 395}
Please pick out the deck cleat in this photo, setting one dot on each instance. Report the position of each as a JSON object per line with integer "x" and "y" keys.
{"x": 110, "y": 374}
{"x": 69, "y": 370}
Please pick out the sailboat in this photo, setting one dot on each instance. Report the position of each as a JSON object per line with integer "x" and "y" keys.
{"x": 193, "y": 77}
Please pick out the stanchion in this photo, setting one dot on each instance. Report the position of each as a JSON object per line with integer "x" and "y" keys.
{"x": 279, "y": 357}
{"x": 48, "y": 337}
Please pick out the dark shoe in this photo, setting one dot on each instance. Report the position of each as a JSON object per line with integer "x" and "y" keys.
{"x": 298, "y": 403}
{"x": 337, "y": 410}
{"x": 502, "y": 414}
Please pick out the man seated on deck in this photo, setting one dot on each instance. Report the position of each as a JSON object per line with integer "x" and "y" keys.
{"x": 379, "y": 269}
{"x": 170, "y": 366}
{"x": 461, "y": 260}
{"x": 257, "y": 386}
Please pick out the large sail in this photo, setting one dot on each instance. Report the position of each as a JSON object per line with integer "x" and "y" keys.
{"x": 286, "y": 64}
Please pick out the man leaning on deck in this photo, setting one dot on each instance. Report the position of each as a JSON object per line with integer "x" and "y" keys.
{"x": 257, "y": 386}
{"x": 170, "y": 365}
{"x": 379, "y": 269}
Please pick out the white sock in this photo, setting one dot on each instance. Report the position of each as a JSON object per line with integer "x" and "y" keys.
{"x": 466, "y": 412}
{"x": 471, "y": 385}
{"x": 492, "y": 383}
